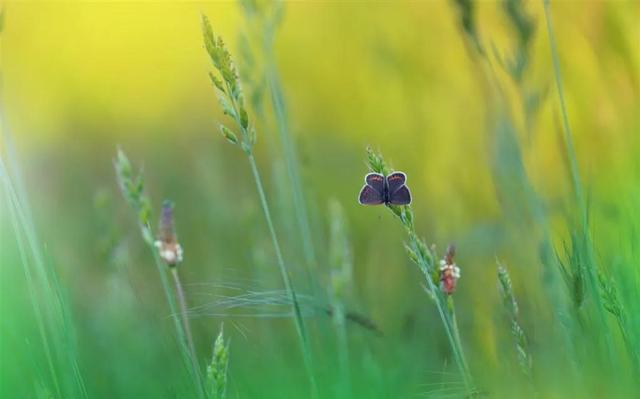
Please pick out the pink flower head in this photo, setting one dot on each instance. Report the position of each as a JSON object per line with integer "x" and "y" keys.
{"x": 449, "y": 272}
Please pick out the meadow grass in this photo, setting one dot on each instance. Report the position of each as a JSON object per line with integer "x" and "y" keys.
{"x": 54, "y": 323}
{"x": 588, "y": 347}
{"x": 231, "y": 99}
{"x": 340, "y": 285}
{"x": 49, "y": 302}
{"x": 423, "y": 257}
{"x": 267, "y": 18}
{"x": 133, "y": 190}
{"x": 582, "y": 241}
{"x": 580, "y": 311}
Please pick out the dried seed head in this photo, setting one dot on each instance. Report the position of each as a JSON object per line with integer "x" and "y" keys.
{"x": 449, "y": 272}
{"x": 169, "y": 249}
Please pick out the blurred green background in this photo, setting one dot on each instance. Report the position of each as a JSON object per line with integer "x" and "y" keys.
{"x": 484, "y": 155}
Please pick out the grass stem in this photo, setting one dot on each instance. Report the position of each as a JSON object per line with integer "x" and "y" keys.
{"x": 13, "y": 209}
{"x": 182, "y": 303}
{"x": 184, "y": 338}
{"x": 286, "y": 278}
{"x": 231, "y": 98}
{"x": 299, "y": 204}
{"x": 423, "y": 258}
{"x": 587, "y": 245}
{"x": 50, "y": 306}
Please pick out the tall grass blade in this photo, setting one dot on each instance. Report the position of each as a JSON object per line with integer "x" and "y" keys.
{"x": 268, "y": 17}
{"x": 340, "y": 284}
{"x": 230, "y": 96}
{"x": 423, "y": 257}
{"x": 50, "y": 306}
{"x": 585, "y": 242}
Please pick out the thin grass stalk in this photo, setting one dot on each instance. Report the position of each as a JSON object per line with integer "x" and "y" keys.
{"x": 343, "y": 348}
{"x": 230, "y": 96}
{"x": 267, "y": 18}
{"x": 575, "y": 177}
{"x": 52, "y": 319}
{"x": 299, "y": 204}
{"x": 456, "y": 334}
{"x": 182, "y": 303}
{"x": 132, "y": 188}
{"x": 189, "y": 356}
{"x": 35, "y": 303}
{"x": 340, "y": 281}
{"x": 42, "y": 276}
{"x": 286, "y": 278}
{"x": 170, "y": 251}
{"x": 423, "y": 258}
{"x": 568, "y": 136}
{"x": 499, "y": 106}
{"x": 448, "y": 318}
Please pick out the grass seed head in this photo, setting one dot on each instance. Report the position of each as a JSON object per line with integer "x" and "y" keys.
{"x": 227, "y": 83}
{"x": 217, "y": 369}
{"x": 506, "y": 291}
{"x": 132, "y": 187}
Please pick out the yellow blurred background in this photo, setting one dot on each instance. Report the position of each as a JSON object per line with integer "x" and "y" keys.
{"x": 81, "y": 78}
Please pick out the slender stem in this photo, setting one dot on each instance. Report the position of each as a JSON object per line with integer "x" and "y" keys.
{"x": 448, "y": 320}
{"x": 52, "y": 316}
{"x": 302, "y": 217}
{"x": 182, "y": 303}
{"x": 188, "y": 357}
{"x": 286, "y": 278}
{"x": 456, "y": 332}
{"x": 455, "y": 343}
{"x": 568, "y": 137}
{"x": 575, "y": 177}
{"x": 343, "y": 348}
{"x": 30, "y": 280}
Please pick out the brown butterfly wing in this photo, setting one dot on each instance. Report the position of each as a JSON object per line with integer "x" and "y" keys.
{"x": 373, "y": 191}
{"x": 399, "y": 193}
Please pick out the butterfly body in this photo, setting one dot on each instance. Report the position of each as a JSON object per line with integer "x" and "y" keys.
{"x": 389, "y": 190}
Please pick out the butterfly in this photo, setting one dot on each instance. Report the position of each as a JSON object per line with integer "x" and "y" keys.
{"x": 390, "y": 190}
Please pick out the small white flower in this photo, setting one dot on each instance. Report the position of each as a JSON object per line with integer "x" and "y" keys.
{"x": 453, "y": 267}
{"x": 168, "y": 256}
{"x": 170, "y": 253}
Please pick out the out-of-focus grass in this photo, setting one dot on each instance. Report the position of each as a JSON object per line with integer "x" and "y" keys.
{"x": 78, "y": 79}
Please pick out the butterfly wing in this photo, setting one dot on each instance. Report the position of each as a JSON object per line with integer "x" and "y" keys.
{"x": 373, "y": 191}
{"x": 401, "y": 196}
{"x": 398, "y": 192}
{"x": 396, "y": 180}
{"x": 375, "y": 180}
